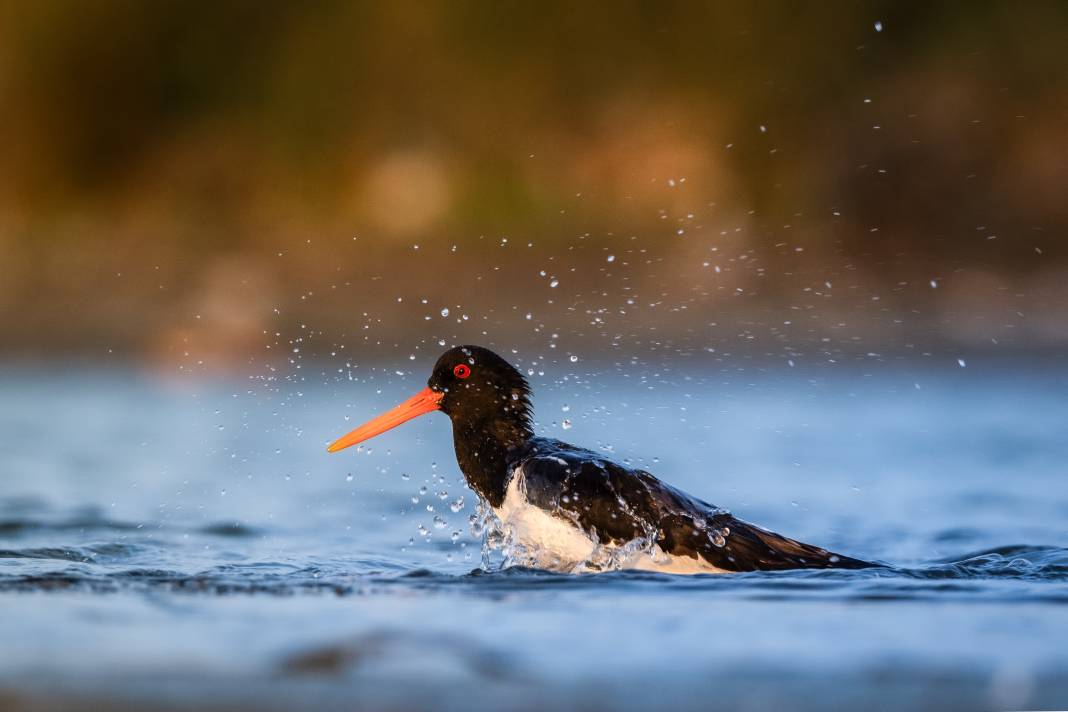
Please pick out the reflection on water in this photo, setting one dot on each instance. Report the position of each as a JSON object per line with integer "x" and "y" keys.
{"x": 196, "y": 536}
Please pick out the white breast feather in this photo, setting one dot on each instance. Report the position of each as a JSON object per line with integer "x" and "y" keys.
{"x": 555, "y": 543}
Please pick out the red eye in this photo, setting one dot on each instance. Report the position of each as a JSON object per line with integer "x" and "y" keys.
{"x": 462, "y": 370}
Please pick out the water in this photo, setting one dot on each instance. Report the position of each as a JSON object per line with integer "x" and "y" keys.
{"x": 188, "y": 541}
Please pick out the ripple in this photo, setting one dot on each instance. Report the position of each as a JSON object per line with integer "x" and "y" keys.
{"x": 1016, "y": 572}
{"x": 94, "y": 553}
{"x": 17, "y": 526}
{"x": 1034, "y": 563}
{"x": 234, "y": 529}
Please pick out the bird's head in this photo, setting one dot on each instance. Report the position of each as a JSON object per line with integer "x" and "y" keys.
{"x": 470, "y": 384}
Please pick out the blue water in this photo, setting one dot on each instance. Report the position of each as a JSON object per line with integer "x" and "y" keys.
{"x": 178, "y": 540}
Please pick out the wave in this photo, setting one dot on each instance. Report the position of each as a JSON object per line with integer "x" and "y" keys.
{"x": 979, "y": 576}
{"x": 13, "y": 527}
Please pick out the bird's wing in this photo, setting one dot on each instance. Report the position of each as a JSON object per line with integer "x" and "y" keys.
{"x": 618, "y": 504}
{"x": 734, "y": 545}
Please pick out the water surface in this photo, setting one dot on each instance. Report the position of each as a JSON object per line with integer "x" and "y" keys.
{"x": 187, "y": 542}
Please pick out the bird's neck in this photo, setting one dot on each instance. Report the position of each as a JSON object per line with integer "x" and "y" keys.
{"x": 482, "y": 451}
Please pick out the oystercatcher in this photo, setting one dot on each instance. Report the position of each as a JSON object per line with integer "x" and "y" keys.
{"x": 564, "y": 508}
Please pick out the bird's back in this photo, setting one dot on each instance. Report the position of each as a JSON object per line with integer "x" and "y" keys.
{"x": 614, "y": 507}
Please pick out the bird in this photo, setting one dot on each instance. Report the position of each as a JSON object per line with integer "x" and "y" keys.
{"x": 562, "y": 508}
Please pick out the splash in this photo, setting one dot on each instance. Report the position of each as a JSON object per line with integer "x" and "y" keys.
{"x": 502, "y": 548}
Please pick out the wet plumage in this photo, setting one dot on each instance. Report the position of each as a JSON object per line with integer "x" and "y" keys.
{"x": 562, "y": 504}
{"x": 617, "y": 504}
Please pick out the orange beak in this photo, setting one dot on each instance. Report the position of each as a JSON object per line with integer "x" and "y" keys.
{"x": 422, "y": 402}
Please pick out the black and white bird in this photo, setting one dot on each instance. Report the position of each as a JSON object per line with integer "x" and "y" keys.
{"x": 570, "y": 509}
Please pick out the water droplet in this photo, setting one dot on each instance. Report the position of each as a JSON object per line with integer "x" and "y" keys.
{"x": 962, "y": 363}
{"x": 566, "y": 424}
{"x": 439, "y": 522}
{"x": 574, "y": 359}
{"x": 554, "y": 283}
{"x": 611, "y": 258}
{"x": 878, "y": 26}
{"x": 445, "y": 311}
{"x": 348, "y": 477}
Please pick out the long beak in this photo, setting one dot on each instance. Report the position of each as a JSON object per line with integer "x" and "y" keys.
{"x": 422, "y": 402}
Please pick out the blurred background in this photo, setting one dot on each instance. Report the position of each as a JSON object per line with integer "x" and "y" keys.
{"x": 206, "y": 186}
{"x": 805, "y": 261}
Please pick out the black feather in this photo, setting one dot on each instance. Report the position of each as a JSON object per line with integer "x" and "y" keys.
{"x": 617, "y": 504}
